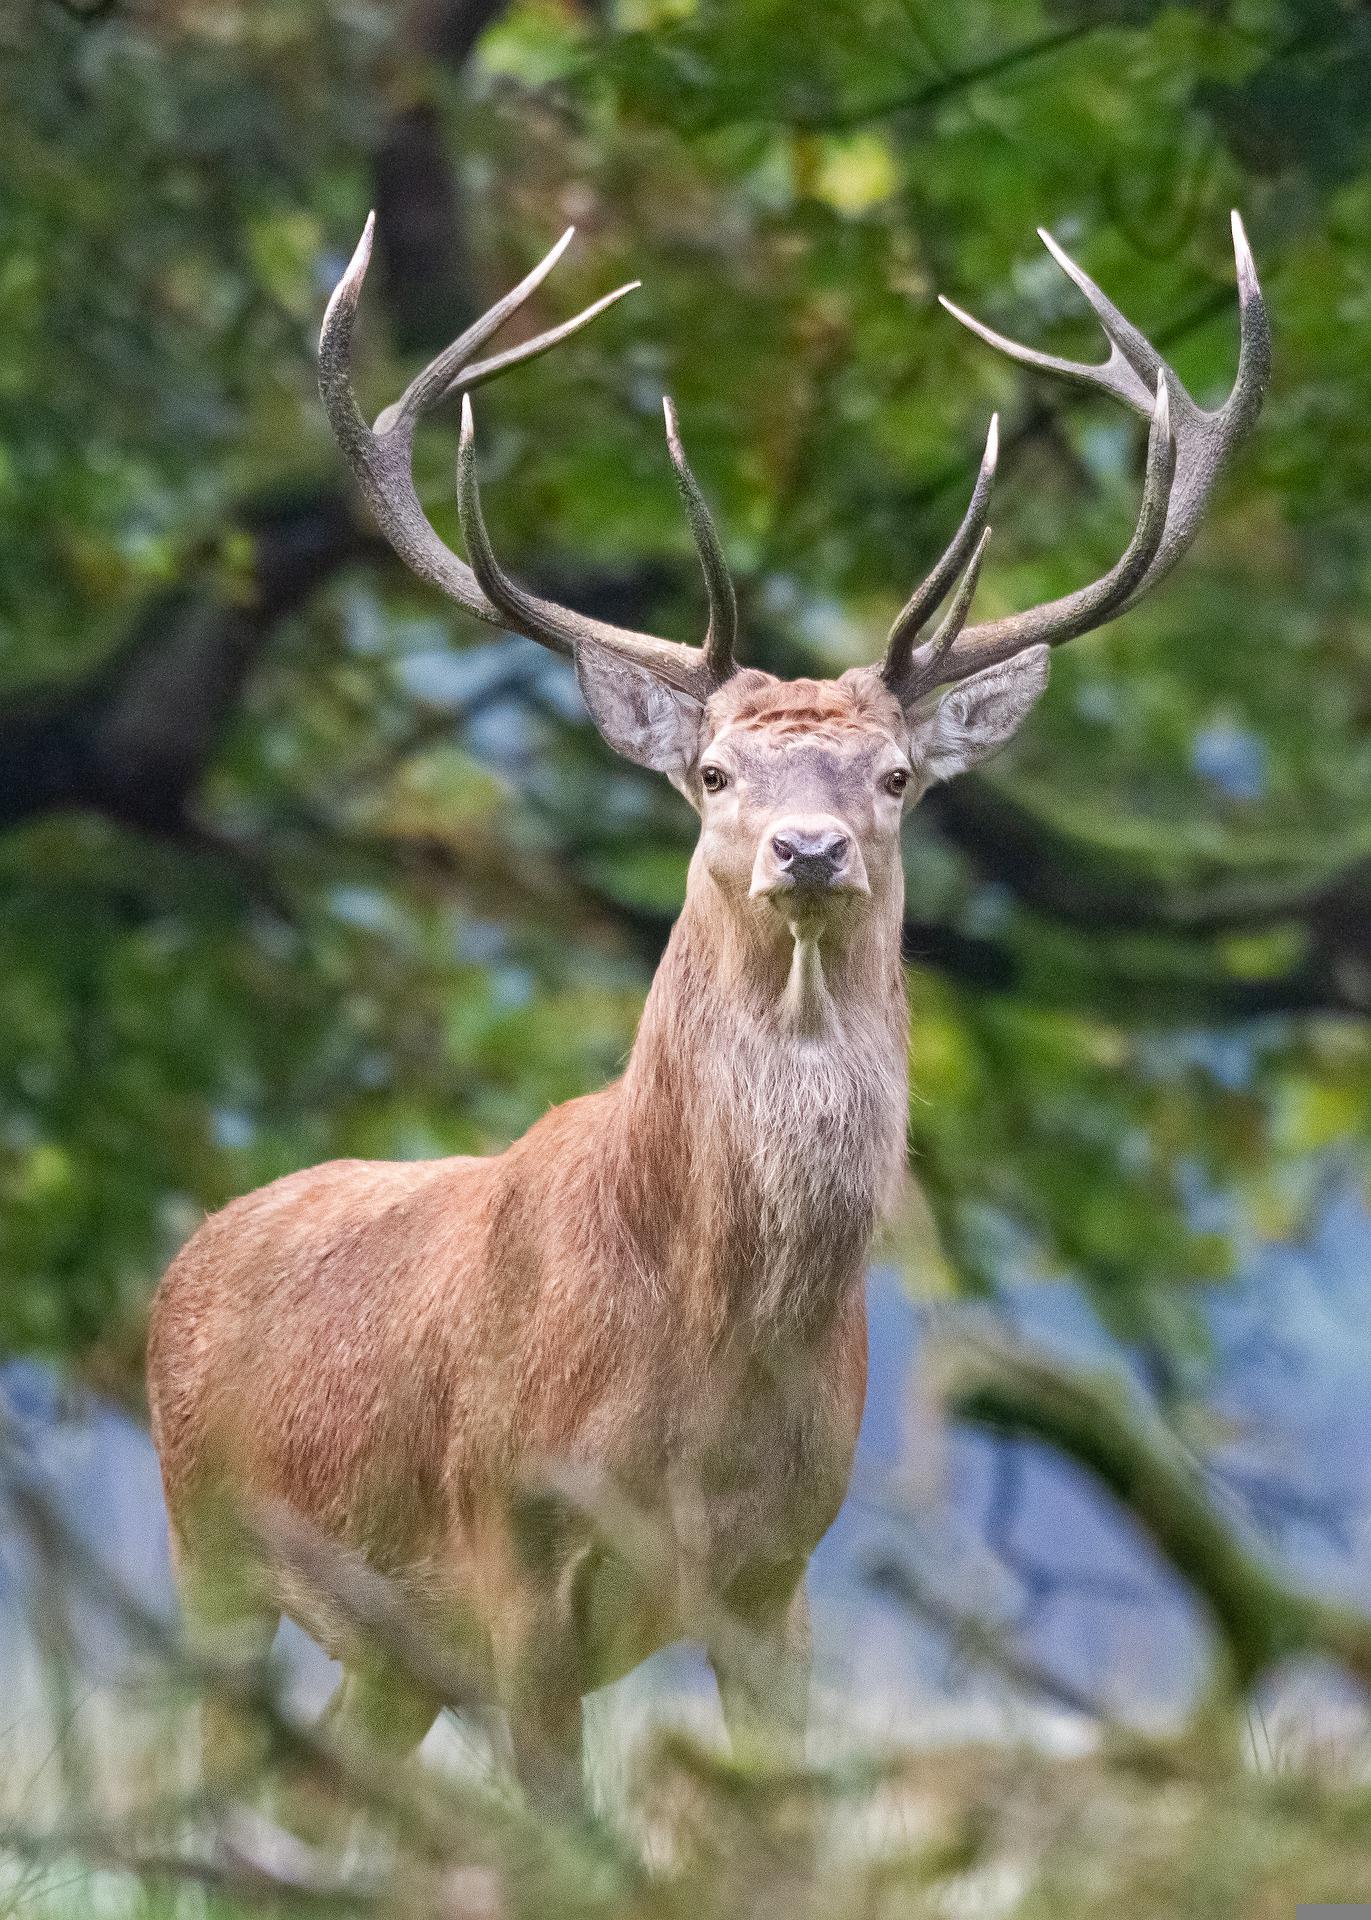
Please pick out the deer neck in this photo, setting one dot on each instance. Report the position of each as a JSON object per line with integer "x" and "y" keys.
{"x": 764, "y": 1107}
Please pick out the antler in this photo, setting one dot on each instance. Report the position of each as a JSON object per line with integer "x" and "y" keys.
{"x": 1182, "y": 474}
{"x": 382, "y": 459}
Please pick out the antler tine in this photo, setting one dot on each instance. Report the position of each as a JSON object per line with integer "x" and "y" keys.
{"x": 929, "y": 594}
{"x": 557, "y": 627}
{"x": 1130, "y": 372}
{"x": 1254, "y": 338}
{"x": 335, "y": 351}
{"x": 515, "y": 607}
{"x": 475, "y": 376}
{"x": 380, "y": 457}
{"x": 1126, "y": 343}
{"x": 1111, "y": 376}
{"x": 435, "y": 381}
{"x": 722, "y": 632}
{"x": 987, "y": 644}
{"x": 930, "y": 669}
{"x": 1204, "y": 441}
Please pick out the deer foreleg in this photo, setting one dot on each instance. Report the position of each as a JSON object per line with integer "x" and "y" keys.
{"x": 538, "y": 1670}
{"x": 763, "y": 1667}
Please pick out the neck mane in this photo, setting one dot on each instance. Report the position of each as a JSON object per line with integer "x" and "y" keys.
{"x": 763, "y": 1113}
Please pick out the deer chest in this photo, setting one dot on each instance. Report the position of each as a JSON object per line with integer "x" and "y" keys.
{"x": 762, "y": 1458}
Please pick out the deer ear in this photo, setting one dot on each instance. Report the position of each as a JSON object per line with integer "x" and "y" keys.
{"x": 975, "y": 719}
{"x": 640, "y": 716}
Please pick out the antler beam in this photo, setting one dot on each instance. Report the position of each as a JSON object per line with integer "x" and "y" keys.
{"x": 1181, "y": 478}
{"x": 381, "y": 457}
{"x": 1188, "y": 449}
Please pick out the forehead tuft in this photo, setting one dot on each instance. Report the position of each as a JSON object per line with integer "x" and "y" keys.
{"x": 832, "y": 709}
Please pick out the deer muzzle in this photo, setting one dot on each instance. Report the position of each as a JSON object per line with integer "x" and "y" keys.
{"x": 811, "y": 856}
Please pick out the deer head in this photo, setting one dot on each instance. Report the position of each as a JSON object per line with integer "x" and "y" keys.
{"x": 801, "y": 785}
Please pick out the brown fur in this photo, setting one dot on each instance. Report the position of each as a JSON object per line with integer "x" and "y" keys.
{"x": 660, "y": 1282}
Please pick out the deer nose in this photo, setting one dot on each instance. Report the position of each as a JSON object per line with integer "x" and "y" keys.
{"x": 810, "y": 859}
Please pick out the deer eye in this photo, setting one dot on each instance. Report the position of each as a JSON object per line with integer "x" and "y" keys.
{"x": 897, "y": 781}
{"x": 713, "y": 779}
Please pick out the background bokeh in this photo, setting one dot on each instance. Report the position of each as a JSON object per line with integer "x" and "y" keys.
{"x": 296, "y": 860}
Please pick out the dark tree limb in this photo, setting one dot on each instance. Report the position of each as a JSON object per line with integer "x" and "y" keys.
{"x": 1096, "y": 1419}
{"x": 422, "y": 225}
{"x": 132, "y": 740}
{"x": 1071, "y": 879}
{"x": 422, "y": 231}
{"x": 977, "y": 1641}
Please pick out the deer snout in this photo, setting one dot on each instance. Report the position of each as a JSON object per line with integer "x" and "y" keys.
{"x": 811, "y": 859}
{"x": 812, "y": 856}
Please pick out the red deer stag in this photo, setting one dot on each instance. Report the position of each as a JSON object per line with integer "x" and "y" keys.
{"x": 661, "y": 1284}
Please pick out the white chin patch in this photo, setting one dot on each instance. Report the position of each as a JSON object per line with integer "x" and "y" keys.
{"x": 808, "y": 1004}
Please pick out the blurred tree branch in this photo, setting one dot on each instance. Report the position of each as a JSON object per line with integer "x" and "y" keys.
{"x": 266, "y": 1867}
{"x": 1094, "y": 1418}
{"x": 1073, "y": 879}
{"x": 132, "y": 739}
{"x": 422, "y": 221}
{"x": 947, "y": 86}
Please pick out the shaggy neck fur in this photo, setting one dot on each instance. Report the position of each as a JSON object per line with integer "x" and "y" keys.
{"x": 764, "y": 1109}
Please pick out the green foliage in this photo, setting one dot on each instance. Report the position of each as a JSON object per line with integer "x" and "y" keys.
{"x": 395, "y": 918}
